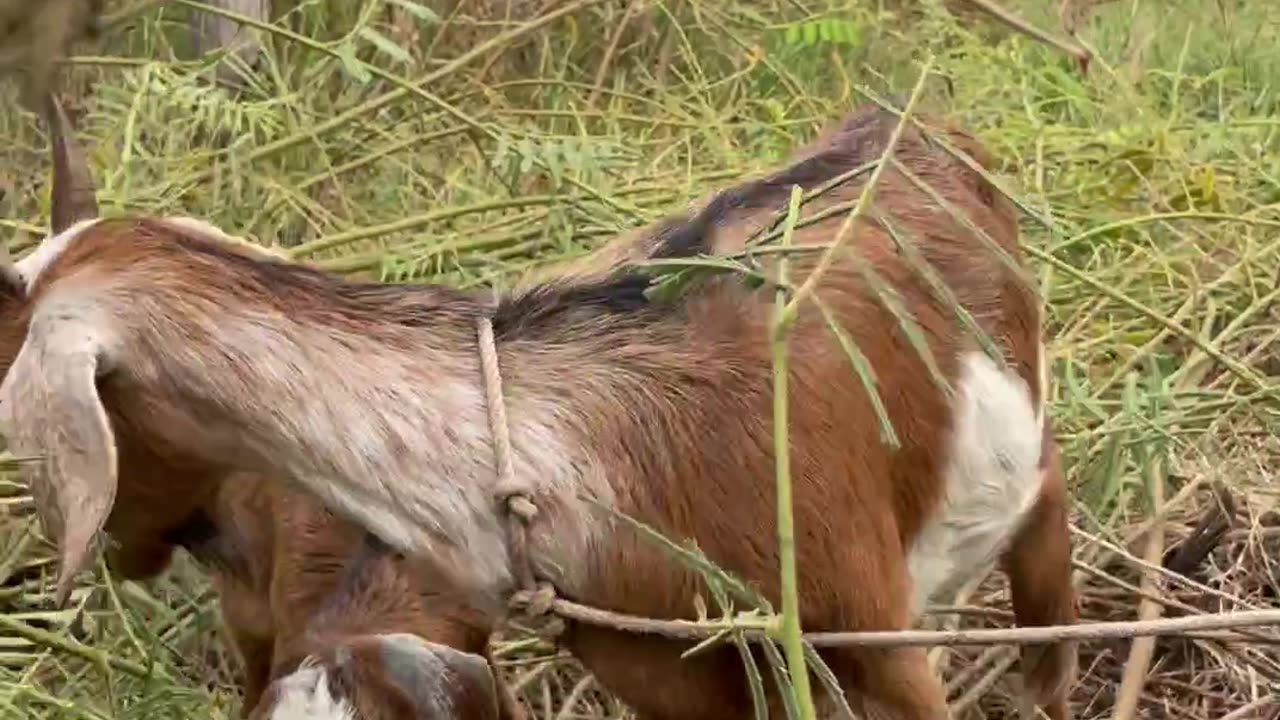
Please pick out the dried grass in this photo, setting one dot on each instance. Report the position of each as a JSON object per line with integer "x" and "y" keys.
{"x": 1153, "y": 199}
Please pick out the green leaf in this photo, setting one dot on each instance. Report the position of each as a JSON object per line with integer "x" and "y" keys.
{"x": 503, "y": 148}
{"x": 828, "y": 679}
{"x": 668, "y": 288}
{"x": 552, "y": 158}
{"x": 754, "y": 16}
{"x": 673, "y": 277}
{"x": 778, "y": 666}
{"x": 1108, "y": 472}
{"x": 573, "y": 154}
{"x": 385, "y": 45}
{"x": 850, "y": 33}
{"x": 825, "y": 30}
{"x": 351, "y": 64}
{"x": 526, "y": 150}
{"x": 810, "y": 31}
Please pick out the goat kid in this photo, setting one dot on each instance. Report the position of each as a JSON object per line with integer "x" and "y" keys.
{"x": 154, "y": 333}
{"x": 320, "y": 643}
{"x": 276, "y": 558}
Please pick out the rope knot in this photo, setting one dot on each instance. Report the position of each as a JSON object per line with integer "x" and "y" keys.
{"x": 520, "y": 506}
{"x": 535, "y": 601}
{"x": 534, "y": 606}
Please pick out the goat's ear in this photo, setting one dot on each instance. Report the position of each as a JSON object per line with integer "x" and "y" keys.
{"x": 439, "y": 681}
{"x": 51, "y": 413}
{"x": 72, "y": 195}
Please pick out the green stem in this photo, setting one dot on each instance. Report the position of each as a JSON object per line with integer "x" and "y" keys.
{"x": 864, "y": 199}
{"x": 47, "y": 639}
{"x": 792, "y": 639}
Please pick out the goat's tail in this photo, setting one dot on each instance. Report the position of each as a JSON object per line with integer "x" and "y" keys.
{"x": 1039, "y": 567}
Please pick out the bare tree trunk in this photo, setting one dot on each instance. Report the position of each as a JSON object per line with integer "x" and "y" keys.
{"x": 34, "y": 35}
{"x": 214, "y": 32}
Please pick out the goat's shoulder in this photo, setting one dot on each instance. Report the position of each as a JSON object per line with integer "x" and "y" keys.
{"x": 189, "y": 264}
{"x": 112, "y": 242}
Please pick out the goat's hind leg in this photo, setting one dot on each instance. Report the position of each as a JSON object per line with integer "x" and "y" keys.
{"x": 1038, "y": 563}
{"x": 893, "y": 683}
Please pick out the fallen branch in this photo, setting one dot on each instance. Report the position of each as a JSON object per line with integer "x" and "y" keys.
{"x": 1134, "y": 678}
{"x": 1208, "y": 533}
{"x": 757, "y": 628}
{"x": 1003, "y": 16}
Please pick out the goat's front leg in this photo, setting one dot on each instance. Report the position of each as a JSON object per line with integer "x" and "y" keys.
{"x": 891, "y": 683}
{"x": 255, "y": 660}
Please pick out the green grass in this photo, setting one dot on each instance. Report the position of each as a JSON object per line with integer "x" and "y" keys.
{"x": 1152, "y": 191}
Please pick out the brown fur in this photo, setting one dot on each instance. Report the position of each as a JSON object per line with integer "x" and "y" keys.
{"x": 278, "y": 559}
{"x": 669, "y": 403}
{"x": 1039, "y": 559}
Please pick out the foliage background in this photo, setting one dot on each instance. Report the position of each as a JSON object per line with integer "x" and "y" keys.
{"x": 1153, "y": 195}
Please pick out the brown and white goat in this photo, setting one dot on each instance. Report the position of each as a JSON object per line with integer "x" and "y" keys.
{"x": 148, "y": 334}
{"x": 382, "y": 646}
{"x": 393, "y": 644}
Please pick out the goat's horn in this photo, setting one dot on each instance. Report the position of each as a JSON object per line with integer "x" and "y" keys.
{"x": 72, "y": 198}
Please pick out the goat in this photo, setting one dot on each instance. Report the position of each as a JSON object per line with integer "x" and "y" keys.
{"x": 276, "y": 557}
{"x": 153, "y": 335}
{"x": 375, "y": 642}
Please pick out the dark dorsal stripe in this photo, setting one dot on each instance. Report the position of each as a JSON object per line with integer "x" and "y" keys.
{"x": 859, "y": 139}
{"x": 544, "y": 312}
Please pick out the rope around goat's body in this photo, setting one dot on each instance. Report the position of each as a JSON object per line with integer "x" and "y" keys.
{"x": 533, "y": 599}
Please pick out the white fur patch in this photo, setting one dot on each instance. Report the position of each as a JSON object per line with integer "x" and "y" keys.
{"x": 30, "y": 267}
{"x": 305, "y": 695}
{"x": 991, "y": 475}
{"x": 49, "y": 249}
{"x": 195, "y": 226}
